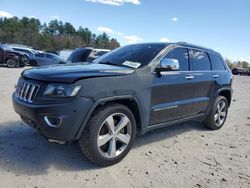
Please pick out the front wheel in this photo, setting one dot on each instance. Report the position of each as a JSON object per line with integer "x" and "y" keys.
{"x": 109, "y": 135}
{"x": 218, "y": 115}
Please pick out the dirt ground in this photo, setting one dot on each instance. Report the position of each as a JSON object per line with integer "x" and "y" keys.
{"x": 184, "y": 155}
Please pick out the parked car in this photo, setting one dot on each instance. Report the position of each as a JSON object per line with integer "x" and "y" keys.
{"x": 85, "y": 55}
{"x": 133, "y": 89}
{"x": 240, "y": 71}
{"x": 43, "y": 59}
{"x": 26, "y": 50}
{"x": 12, "y": 58}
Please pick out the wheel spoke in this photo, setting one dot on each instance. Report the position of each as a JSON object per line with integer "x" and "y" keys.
{"x": 123, "y": 122}
{"x": 110, "y": 123}
{"x": 216, "y": 116}
{"x": 223, "y": 114}
{"x": 112, "y": 148}
{"x": 125, "y": 138}
{"x": 103, "y": 139}
{"x": 222, "y": 106}
{"x": 220, "y": 120}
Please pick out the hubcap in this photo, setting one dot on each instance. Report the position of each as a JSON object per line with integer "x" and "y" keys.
{"x": 114, "y": 135}
{"x": 220, "y": 114}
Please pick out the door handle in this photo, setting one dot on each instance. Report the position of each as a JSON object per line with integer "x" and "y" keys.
{"x": 189, "y": 77}
{"x": 215, "y": 76}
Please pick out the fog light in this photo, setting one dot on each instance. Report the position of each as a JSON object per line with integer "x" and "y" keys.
{"x": 53, "y": 121}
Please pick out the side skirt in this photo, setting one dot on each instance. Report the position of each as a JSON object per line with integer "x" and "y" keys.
{"x": 169, "y": 123}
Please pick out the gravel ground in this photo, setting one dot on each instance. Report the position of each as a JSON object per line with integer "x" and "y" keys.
{"x": 184, "y": 155}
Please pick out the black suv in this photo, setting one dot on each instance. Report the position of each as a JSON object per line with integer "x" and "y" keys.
{"x": 133, "y": 89}
{"x": 240, "y": 71}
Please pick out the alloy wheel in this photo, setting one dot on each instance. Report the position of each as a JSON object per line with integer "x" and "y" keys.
{"x": 220, "y": 113}
{"x": 114, "y": 135}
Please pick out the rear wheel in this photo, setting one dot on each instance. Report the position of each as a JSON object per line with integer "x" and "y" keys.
{"x": 11, "y": 63}
{"x": 217, "y": 117}
{"x": 109, "y": 135}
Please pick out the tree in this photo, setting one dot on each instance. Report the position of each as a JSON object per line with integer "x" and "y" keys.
{"x": 229, "y": 63}
{"x": 52, "y": 36}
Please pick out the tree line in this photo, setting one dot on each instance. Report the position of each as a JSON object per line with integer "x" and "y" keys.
{"x": 53, "y": 36}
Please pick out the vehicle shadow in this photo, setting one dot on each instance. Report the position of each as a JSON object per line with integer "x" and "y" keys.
{"x": 24, "y": 151}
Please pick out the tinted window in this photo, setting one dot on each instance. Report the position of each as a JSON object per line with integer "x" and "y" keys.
{"x": 79, "y": 55}
{"x": 95, "y": 54}
{"x": 199, "y": 60}
{"x": 217, "y": 62}
{"x": 180, "y": 54}
{"x": 140, "y": 54}
{"x": 50, "y": 56}
{"x": 40, "y": 55}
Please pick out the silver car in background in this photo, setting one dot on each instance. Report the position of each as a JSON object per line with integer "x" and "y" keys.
{"x": 44, "y": 59}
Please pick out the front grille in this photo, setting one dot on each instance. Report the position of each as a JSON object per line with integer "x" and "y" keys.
{"x": 26, "y": 91}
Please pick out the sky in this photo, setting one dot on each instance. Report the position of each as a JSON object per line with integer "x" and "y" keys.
{"x": 223, "y": 25}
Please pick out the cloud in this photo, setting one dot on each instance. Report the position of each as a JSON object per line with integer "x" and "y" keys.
{"x": 127, "y": 38}
{"x": 174, "y": 19}
{"x": 164, "y": 39}
{"x": 115, "y": 2}
{"x": 105, "y": 30}
{"x": 5, "y": 14}
{"x": 108, "y": 30}
{"x": 32, "y": 17}
{"x": 132, "y": 39}
{"x": 56, "y": 17}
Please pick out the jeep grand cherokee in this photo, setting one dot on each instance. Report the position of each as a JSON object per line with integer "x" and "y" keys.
{"x": 133, "y": 89}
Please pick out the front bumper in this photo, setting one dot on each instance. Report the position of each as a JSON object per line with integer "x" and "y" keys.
{"x": 72, "y": 115}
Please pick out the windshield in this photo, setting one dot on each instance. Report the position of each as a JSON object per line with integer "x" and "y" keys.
{"x": 135, "y": 56}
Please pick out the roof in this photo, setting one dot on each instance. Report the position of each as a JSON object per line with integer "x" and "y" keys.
{"x": 185, "y": 44}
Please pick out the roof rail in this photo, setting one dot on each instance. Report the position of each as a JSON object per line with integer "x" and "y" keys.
{"x": 194, "y": 45}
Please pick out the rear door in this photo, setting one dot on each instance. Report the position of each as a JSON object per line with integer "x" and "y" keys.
{"x": 219, "y": 70}
{"x": 50, "y": 59}
{"x": 40, "y": 59}
{"x": 203, "y": 81}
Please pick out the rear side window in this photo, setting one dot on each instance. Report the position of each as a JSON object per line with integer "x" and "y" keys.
{"x": 180, "y": 54}
{"x": 199, "y": 60}
{"x": 40, "y": 55}
{"x": 49, "y": 56}
{"x": 217, "y": 62}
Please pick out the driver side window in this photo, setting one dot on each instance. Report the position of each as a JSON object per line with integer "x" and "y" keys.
{"x": 180, "y": 54}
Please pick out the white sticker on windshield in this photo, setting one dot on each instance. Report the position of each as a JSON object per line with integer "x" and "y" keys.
{"x": 132, "y": 64}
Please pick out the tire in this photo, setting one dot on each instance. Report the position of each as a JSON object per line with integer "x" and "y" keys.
{"x": 11, "y": 63}
{"x": 216, "y": 119}
{"x": 99, "y": 127}
{"x": 33, "y": 63}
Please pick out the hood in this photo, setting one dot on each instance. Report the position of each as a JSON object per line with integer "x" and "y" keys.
{"x": 70, "y": 73}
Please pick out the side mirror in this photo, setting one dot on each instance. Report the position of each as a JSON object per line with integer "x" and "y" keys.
{"x": 167, "y": 64}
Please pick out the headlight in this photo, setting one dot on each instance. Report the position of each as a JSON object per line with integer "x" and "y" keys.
{"x": 61, "y": 90}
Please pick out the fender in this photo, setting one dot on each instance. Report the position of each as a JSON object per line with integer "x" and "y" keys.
{"x": 105, "y": 100}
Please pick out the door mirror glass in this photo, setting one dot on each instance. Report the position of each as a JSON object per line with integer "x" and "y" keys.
{"x": 167, "y": 64}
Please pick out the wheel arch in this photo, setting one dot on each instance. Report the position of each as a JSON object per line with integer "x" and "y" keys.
{"x": 130, "y": 101}
{"x": 227, "y": 93}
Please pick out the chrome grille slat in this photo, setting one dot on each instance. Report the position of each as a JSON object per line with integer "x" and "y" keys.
{"x": 26, "y": 91}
